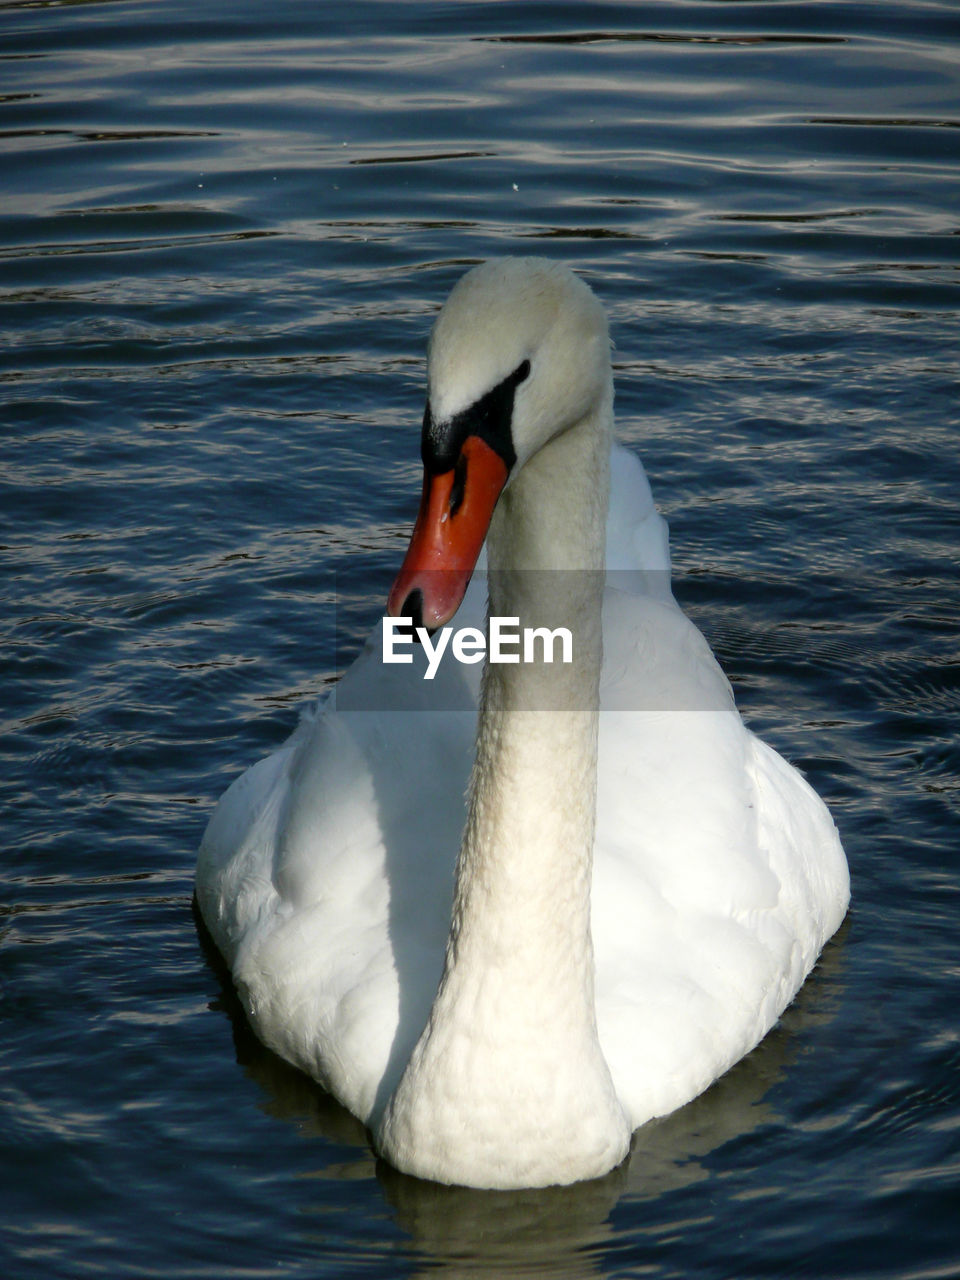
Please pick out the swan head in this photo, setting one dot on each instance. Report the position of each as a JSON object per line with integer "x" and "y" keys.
{"x": 519, "y": 354}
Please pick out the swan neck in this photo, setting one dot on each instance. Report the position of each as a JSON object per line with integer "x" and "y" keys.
{"x": 512, "y": 1038}
{"x": 531, "y": 813}
{"x": 553, "y": 513}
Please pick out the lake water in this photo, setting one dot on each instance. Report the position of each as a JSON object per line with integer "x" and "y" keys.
{"x": 224, "y": 233}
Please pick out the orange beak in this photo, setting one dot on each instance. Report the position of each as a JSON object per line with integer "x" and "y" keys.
{"x": 455, "y": 512}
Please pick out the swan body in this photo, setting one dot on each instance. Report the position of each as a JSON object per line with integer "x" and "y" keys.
{"x": 641, "y": 885}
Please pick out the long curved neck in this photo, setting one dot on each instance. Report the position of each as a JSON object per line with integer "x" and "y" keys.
{"x": 508, "y": 1080}
{"x": 527, "y": 848}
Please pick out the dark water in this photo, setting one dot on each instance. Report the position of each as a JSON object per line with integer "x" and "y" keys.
{"x": 224, "y": 231}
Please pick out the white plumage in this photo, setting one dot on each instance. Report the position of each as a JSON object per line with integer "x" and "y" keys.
{"x": 715, "y": 875}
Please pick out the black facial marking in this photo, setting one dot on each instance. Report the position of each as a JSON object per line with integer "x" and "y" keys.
{"x": 488, "y": 418}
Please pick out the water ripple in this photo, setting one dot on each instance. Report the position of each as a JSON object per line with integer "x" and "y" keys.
{"x": 223, "y": 238}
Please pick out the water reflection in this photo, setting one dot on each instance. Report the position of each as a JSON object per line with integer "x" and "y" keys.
{"x": 558, "y": 1231}
{"x": 662, "y": 37}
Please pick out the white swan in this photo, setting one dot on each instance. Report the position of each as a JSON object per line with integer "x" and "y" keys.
{"x": 630, "y": 911}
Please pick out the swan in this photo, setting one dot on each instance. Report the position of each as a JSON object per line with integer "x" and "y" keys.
{"x": 641, "y": 885}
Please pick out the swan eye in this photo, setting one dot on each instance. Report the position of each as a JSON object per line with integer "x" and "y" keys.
{"x": 521, "y": 373}
{"x": 459, "y": 484}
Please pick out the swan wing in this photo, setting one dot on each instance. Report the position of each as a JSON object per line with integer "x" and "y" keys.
{"x": 718, "y": 872}
{"x": 326, "y": 874}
